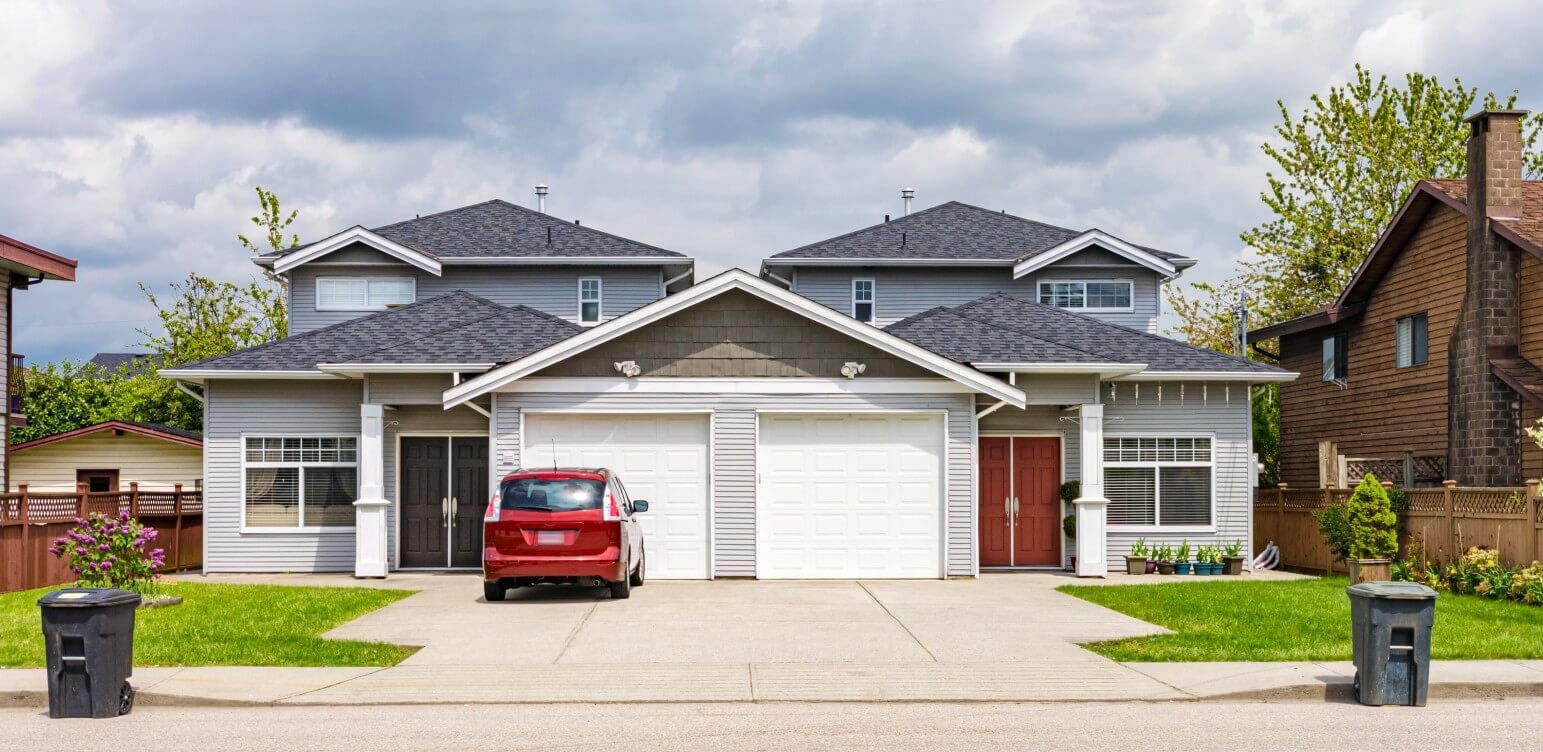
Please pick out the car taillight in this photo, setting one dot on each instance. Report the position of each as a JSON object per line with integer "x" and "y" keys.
{"x": 612, "y": 511}
{"x": 491, "y": 515}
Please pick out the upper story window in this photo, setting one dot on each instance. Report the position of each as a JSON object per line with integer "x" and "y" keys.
{"x": 363, "y": 293}
{"x": 862, "y": 300}
{"x": 589, "y": 300}
{"x": 1094, "y": 296}
{"x": 1335, "y": 357}
{"x": 1411, "y": 332}
{"x": 1162, "y": 481}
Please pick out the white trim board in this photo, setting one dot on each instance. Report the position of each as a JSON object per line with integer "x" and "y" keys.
{"x": 356, "y": 234}
{"x": 733, "y": 279}
{"x": 1090, "y": 239}
{"x": 765, "y": 385}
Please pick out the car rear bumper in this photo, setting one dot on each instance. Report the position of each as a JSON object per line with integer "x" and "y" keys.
{"x": 606, "y": 566}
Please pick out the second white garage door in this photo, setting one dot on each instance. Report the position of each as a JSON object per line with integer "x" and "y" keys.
{"x": 849, "y": 495}
{"x": 661, "y": 458}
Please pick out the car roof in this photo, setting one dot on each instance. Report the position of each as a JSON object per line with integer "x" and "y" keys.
{"x": 592, "y": 473}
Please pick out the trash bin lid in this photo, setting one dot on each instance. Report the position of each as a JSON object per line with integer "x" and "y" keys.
{"x": 81, "y": 597}
{"x": 1392, "y": 590}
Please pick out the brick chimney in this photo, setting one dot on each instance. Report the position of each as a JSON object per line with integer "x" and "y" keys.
{"x": 1483, "y": 414}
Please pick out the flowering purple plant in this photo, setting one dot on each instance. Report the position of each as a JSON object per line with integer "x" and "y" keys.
{"x": 106, "y": 551}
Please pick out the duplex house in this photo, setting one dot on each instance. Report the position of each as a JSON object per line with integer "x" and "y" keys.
{"x": 794, "y": 424}
{"x": 1424, "y": 368}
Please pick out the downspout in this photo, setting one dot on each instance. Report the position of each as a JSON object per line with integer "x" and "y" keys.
{"x": 786, "y": 282}
{"x": 673, "y": 280}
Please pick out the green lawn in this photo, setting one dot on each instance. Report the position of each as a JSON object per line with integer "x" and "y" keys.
{"x": 226, "y": 625}
{"x": 1304, "y": 620}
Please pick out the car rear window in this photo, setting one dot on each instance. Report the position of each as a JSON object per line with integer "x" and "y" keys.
{"x": 551, "y": 495}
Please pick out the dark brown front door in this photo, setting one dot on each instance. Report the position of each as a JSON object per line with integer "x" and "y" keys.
{"x": 996, "y": 491}
{"x": 425, "y": 498}
{"x": 1037, "y": 486}
{"x": 468, "y": 499}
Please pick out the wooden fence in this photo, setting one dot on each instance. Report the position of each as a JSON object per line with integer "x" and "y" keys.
{"x": 29, "y": 523}
{"x": 1442, "y": 522}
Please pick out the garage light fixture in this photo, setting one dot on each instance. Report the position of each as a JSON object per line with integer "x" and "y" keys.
{"x": 851, "y": 369}
{"x": 628, "y": 368}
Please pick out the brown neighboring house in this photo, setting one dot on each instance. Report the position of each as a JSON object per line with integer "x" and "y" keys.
{"x": 21, "y": 266}
{"x": 1425, "y": 366}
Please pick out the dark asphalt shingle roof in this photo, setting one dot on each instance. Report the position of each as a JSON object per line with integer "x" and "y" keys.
{"x": 1000, "y": 328}
{"x": 184, "y": 433}
{"x": 456, "y": 327}
{"x": 499, "y": 228}
{"x": 949, "y": 231}
{"x": 111, "y": 362}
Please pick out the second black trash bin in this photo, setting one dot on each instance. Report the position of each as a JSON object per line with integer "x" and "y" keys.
{"x": 1390, "y": 641}
{"x": 89, "y": 639}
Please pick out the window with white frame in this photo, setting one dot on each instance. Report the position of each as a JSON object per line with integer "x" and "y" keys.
{"x": 863, "y": 308}
{"x": 1158, "y": 481}
{"x": 300, "y": 481}
{"x": 1410, "y": 334}
{"x": 363, "y": 293}
{"x": 589, "y": 300}
{"x": 1104, "y": 295}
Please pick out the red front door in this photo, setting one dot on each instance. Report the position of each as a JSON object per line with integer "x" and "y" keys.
{"x": 1020, "y": 501}
{"x": 996, "y": 490}
{"x": 1037, "y": 515}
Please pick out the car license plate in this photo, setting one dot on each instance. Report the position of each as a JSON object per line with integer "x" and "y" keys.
{"x": 550, "y": 537}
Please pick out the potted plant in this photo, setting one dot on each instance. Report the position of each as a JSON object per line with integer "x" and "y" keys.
{"x": 1202, "y": 566}
{"x": 1136, "y": 561}
{"x": 1069, "y": 527}
{"x": 1164, "y": 559}
{"x": 1234, "y": 558}
{"x": 1070, "y": 490}
{"x": 1181, "y": 558}
{"x": 1373, "y": 529}
{"x": 1214, "y": 562}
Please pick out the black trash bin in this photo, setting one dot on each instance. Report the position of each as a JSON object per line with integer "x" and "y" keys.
{"x": 89, "y": 633}
{"x": 1391, "y": 623}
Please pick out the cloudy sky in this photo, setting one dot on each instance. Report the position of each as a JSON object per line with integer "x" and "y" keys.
{"x": 132, "y": 133}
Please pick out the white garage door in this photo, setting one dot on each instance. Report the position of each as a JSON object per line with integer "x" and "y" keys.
{"x": 661, "y": 458}
{"x": 849, "y": 495}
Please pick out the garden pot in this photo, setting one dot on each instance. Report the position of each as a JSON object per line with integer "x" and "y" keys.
{"x": 1216, "y": 568}
{"x": 1234, "y": 565}
{"x": 1151, "y": 566}
{"x": 1073, "y": 558}
{"x": 1165, "y": 567}
{"x": 1181, "y": 567}
{"x": 1135, "y": 565}
{"x": 1370, "y": 570}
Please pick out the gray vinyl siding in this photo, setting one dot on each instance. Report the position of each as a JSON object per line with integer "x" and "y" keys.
{"x": 272, "y": 408}
{"x": 1186, "y": 409}
{"x": 553, "y": 289}
{"x": 902, "y": 292}
{"x": 409, "y": 388}
{"x": 733, "y": 480}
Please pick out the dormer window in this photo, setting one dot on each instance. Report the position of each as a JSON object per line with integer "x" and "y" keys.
{"x": 589, "y": 300}
{"x": 863, "y": 300}
{"x": 1088, "y": 296}
{"x": 363, "y": 293}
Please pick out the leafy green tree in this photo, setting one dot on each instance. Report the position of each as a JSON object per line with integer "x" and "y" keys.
{"x": 1343, "y": 168}
{"x": 1373, "y": 526}
{"x": 65, "y": 396}
{"x": 204, "y": 318}
{"x": 272, "y": 220}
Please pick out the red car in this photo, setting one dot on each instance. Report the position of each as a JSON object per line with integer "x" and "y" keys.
{"x": 564, "y": 525}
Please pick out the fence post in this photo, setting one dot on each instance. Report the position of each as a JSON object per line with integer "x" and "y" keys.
{"x": 176, "y": 546}
{"x": 134, "y": 499}
{"x": 1280, "y": 513}
{"x": 1448, "y": 508}
{"x": 25, "y": 515}
{"x": 81, "y": 509}
{"x": 1531, "y": 528}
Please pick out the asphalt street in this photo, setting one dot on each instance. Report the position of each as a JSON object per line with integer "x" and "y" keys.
{"x": 1187, "y": 726}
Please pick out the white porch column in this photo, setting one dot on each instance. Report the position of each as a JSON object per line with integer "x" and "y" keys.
{"x": 370, "y": 510}
{"x": 1092, "y": 507}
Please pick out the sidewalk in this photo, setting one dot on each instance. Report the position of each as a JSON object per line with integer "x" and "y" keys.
{"x": 1033, "y": 681}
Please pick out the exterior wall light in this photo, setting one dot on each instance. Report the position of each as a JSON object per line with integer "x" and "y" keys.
{"x": 850, "y": 369}
{"x": 628, "y": 368}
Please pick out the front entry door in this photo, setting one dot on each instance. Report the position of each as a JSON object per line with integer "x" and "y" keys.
{"x": 1020, "y": 501}
{"x": 444, "y": 488}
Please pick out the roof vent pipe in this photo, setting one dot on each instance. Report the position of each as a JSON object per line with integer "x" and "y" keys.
{"x": 541, "y": 197}
{"x": 907, "y": 194}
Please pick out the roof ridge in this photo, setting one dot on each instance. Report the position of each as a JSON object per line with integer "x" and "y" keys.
{"x": 1000, "y": 294}
{"x": 875, "y": 226}
{"x": 331, "y": 327}
{"x": 1004, "y": 213}
{"x": 420, "y": 217}
{"x": 544, "y": 314}
{"x": 920, "y": 315}
{"x": 553, "y": 217}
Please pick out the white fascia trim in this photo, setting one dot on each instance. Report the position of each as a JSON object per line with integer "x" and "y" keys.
{"x": 404, "y": 367}
{"x": 568, "y": 261}
{"x": 1087, "y": 240}
{"x": 1102, "y": 369}
{"x": 884, "y": 262}
{"x": 1253, "y": 377}
{"x": 357, "y": 234}
{"x": 734, "y": 279}
{"x": 761, "y": 385}
{"x": 200, "y": 374}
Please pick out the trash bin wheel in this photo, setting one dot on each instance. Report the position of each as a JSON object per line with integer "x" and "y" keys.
{"x": 125, "y": 699}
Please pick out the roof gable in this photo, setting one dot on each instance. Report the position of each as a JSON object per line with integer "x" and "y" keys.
{"x": 733, "y": 279}
{"x": 1090, "y": 240}
{"x": 351, "y": 237}
{"x": 148, "y": 430}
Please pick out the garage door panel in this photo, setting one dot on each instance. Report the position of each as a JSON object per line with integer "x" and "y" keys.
{"x": 850, "y": 495}
{"x": 661, "y": 458}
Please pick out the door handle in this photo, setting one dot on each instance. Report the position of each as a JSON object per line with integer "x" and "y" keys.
{"x": 1015, "y": 510}
{"x": 1007, "y": 508}
{"x": 444, "y": 509}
